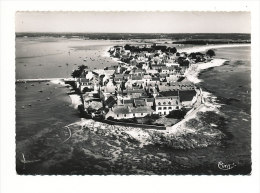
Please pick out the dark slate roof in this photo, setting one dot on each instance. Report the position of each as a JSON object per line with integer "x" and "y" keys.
{"x": 128, "y": 101}
{"x": 138, "y": 70}
{"x": 126, "y": 75}
{"x": 150, "y": 99}
{"x": 185, "y": 95}
{"x": 172, "y": 68}
{"x": 163, "y": 75}
{"x": 169, "y": 93}
{"x": 155, "y": 79}
{"x": 165, "y": 68}
{"x": 121, "y": 110}
{"x": 111, "y": 67}
{"x": 119, "y": 75}
{"x": 84, "y": 80}
{"x": 137, "y": 77}
{"x": 135, "y": 91}
{"x": 142, "y": 110}
{"x": 140, "y": 102}
{"x": 110, "y": 102}
{"x": 165, "y": 101}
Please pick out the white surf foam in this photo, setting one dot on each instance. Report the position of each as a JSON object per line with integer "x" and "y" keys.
{"x": 58, "y": 81}
{"x": 193, "y": 72}
{"x": 207, "y": 47}
{"x": 75, "y": 100}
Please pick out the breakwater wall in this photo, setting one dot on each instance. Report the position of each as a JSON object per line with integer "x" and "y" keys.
{"x": 44, "y": 80}
{"x": 84, "y": 114}
{"x": 136, "y": 125}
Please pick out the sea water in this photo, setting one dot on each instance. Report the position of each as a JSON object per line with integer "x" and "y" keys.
{"x": 49, "y": 57}
{"x": 231, "y": 84}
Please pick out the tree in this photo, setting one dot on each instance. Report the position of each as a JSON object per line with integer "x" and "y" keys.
{"x": 127, "y": 47}
{"x": 183, "y": 62}
{"x": 210, "y": 53}
{"x": 177, "y": 114}
{"x": 77, "y": 73}
{"x": 173, "y": 50}
{"x": 110, "y": 118}
{"x": 86, "y": 89}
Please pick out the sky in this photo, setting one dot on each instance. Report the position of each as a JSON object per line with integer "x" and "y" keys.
{"x": 134, "y": 22}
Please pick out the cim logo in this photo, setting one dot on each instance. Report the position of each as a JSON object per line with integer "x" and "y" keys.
{"x": 224, "y": 166}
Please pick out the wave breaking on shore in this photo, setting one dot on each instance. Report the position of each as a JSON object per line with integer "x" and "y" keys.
{"x": 207, "y": 47}
{"x": 75, "y": 100}
{"x": 193, "y": 72}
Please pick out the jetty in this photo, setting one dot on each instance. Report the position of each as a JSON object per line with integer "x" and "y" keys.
{"x": 43, "y": 80}
{"x": 24, "y": 161}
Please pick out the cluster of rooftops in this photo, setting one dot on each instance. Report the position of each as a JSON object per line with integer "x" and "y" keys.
{"x": 143, "y": 83}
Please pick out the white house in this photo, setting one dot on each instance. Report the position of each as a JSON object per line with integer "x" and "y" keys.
{"x": 164, "y": 105}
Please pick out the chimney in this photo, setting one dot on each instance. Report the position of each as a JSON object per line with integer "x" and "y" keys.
{"x": 118, "y": 101}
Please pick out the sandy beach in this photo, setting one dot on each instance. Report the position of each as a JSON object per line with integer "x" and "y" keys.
{"x": 75, "y": 100}
{"x": 195, "y": 69}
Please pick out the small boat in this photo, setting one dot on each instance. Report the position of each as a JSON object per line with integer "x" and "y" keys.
{"x": 48, "y": 98}
{"x": 29, "y": 105}
{"x": 40, "y": 91}
{"x": 59, "y": 66}
{"x": 69, "y": 134}
{"x": 28, "y": 161}
{"x": 32, "y": 84}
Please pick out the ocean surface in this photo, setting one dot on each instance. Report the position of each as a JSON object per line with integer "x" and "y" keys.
{"x": 44, "y": 109}
{"x": 231, "y": 84}
{"x": 49, "y": 57}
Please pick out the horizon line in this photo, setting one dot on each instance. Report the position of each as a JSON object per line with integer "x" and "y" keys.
{"x": 141, "y": 32}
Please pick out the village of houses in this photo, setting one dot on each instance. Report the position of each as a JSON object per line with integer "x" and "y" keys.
{"x": 148, "y": 86}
